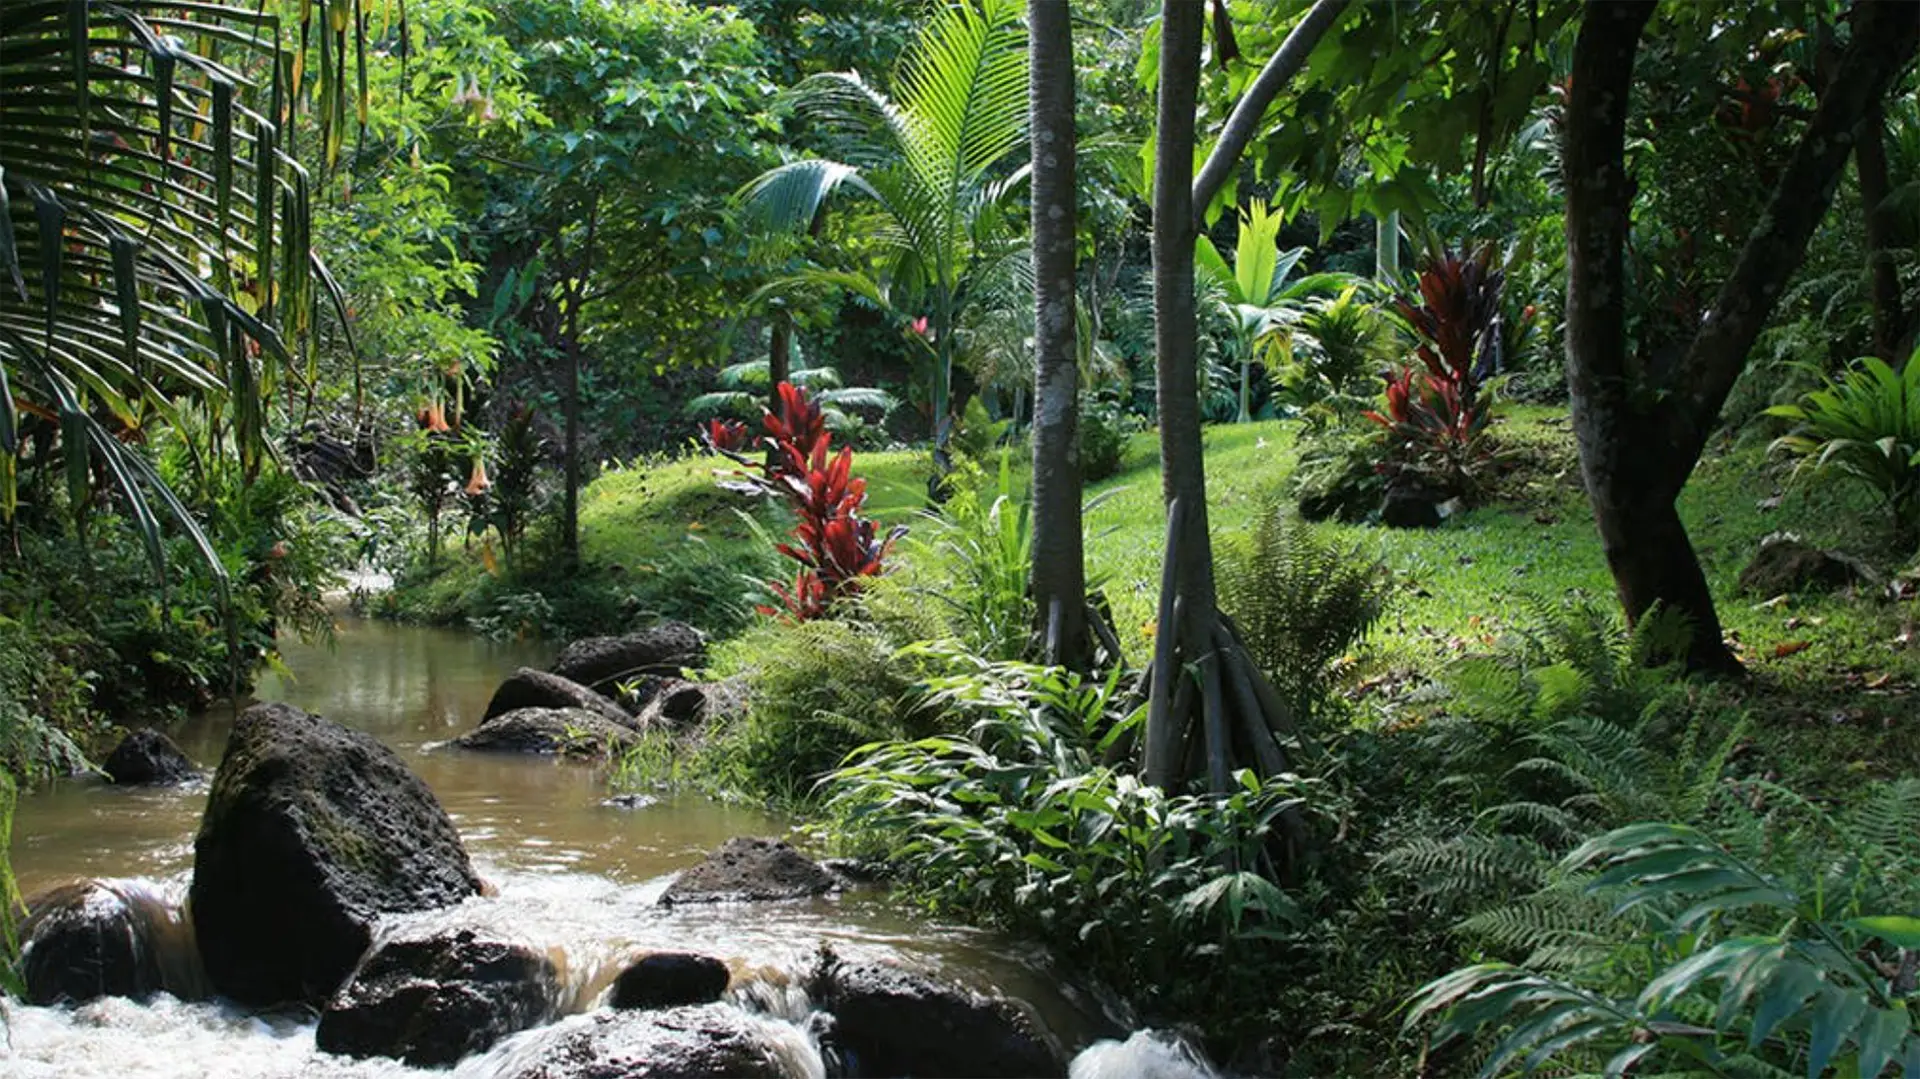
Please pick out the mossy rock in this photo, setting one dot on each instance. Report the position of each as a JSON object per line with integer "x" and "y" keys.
{"x": 312, "y": 832}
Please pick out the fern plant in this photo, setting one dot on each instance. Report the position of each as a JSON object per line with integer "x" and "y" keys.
{"x": 1766, "y": 950}
{"x": 1301, "y": 603}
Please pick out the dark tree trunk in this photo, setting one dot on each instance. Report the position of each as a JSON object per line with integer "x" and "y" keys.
{"x": 1870, "y": 157}
{"x": 576, "y": 291}
{"x": 1059, "y": 573}
{"x": 779, "y": 355}
{"x": 1641, "y": 429}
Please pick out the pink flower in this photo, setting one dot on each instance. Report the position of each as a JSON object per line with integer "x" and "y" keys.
{"x": 919, "y": 326}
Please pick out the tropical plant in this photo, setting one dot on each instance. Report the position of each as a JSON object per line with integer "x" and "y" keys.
{"x": 936, "y": 162}
{"x": 1457, "y": 324}
{"x": 1762, "y": 950}
{"x": 1021, "y": 821}
{"x": 983, "y": 547}
{"x": 1300, "y": 603}
{"x": 1864, "y": 424}
{"x": 744, "y": 390}
{"x": 1256, "y": 291}
{"x": 1339, "y": 343}
{"x": 837, "y": 548}
{"x": 1434, "y": 433}
{"x": 154, "y": 231}
{"x": 515, "y": 494}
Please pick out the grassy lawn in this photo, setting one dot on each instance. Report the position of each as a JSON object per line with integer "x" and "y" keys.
{"x": 1833, "y": 674}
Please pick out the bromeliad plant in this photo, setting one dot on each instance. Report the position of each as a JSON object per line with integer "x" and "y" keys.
{"x": 1865, "y": 424}
{"x": 836, "y": 547}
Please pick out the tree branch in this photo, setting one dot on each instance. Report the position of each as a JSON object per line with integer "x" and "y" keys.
{"x": 1884, "y": 40}
{"x": 1244, "y": 122}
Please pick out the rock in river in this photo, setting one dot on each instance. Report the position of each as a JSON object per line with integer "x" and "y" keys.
{"x": 569, "y": 732}
{"x": 669, "y": 979}
{"x": 312, "y": 832}
{"x": 711, "y": 1040}
{"x": 529, "y": 688}
{"x": 147, "y": 758}
{"x": 664, "y": 649}
{"x": 887, "y": 1020}
{"x": 746, "y": 868}
{"x": 431, "y": 1001}
{"x": 95, "y": 939}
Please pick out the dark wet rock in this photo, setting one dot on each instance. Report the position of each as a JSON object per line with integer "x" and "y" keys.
{"x": 679, "y": 705}
{"x": 1785, "y": 564}
{"x": 312, "y": 832}
{"x": 631, "y": 801}
{"x": 1411, "y": 505}
{"x": 569, "y": 732}
{"x": 94, "y": 939}
{"x": 746, "y": 868}
{"x": 670, "y": 979}
{"x": 710, "y": 1041}
{"x": 888, "y": 1020}
{"x": 662, "y": 650}
{"x": 529, "y": 688}
{"x": 432, "y": 1001}
{"x": 147, "y": 758}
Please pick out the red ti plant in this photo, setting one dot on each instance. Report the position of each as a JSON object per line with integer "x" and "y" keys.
{"x": 724, "y": 436}
{"x": 836, "y": 547}
{"x": 1458, "y": 320}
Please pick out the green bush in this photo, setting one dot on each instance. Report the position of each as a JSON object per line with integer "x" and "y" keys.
{"x": 816, "y": 691}
{"x": 973, "y": 559}
{"x": 1301, "y": 603}
{"x": 1339, "y": 475}
{"x": 1020, "y": 822}
{"x": 1865, "y": 424}
{"x": 1105, "y": 430}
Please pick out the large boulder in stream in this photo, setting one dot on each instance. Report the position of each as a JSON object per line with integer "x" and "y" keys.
{"x": 662, "y": 650}
{"x": 312, "y": 833}
{"x": 147, "y": 758}
{"x": 567, "y": 732}
{"x": 529, "y": 688}
{"x": 94, "y": 939}
{"x": 746, "y": 868}
{"x": 711, "y": 1041}
{"x": 888, "y": 1020}
{"x": 429, "y": 1002}
{"x": 675, "y": 704}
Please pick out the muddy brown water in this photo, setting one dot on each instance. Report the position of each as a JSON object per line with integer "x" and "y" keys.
{"x": 570, "y": 872}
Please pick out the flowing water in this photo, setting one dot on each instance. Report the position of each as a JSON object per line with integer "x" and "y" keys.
{"x": 568, "y": 871}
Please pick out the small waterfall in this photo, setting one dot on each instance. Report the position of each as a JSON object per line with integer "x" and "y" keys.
{"x": 1147, "y": 1054}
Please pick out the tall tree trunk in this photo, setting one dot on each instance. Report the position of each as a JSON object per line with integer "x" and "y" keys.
{"x": 1386, "y": 249}
{"x": 1642, "y": 428}
{"x": 1870, "y": 157}
{"x": 779, "y": 355}
{"x": 1058, "y": 575}
{"x": 576, "y": 292}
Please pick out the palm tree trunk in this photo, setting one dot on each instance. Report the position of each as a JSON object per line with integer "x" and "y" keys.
{"x": 1058, "y": 574}
{"x": 942, "y": 397}
{"x": 779, "y": 355}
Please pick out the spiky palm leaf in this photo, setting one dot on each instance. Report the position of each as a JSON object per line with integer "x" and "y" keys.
{"x": 934, "y": 162}
{"x": 743, "y": 389}
{"x": 152, "y": 230}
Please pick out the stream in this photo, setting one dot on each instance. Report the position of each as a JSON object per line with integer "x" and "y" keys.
{"x": 567, "y": 870}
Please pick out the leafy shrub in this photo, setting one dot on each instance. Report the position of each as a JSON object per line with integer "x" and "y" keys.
{"x": 1339, "y": 344}
{"x": 1865, "y": 424}
{"x": 1020, "y": 822}
{"x": 1300, "y": 602}
{"x": 1104, "y": 433}
{"x": 1339, "y": 475}
{"x": 981, "y": 552}
{"x": 1435, "y": 434}
{"x": 816, "y": 691}
{"x": 515, "y": 497}
{"x": 1772, "y": 946}
{"x": 43, "y": 708}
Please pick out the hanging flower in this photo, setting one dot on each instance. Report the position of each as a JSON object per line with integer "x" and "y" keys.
{"x": 478, "y": 483}
{"x": 433, "y": 419}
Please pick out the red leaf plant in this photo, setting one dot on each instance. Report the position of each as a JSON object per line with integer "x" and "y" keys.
{"x": 836, "y": 547}
{"x": 724, "y": 436}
